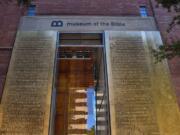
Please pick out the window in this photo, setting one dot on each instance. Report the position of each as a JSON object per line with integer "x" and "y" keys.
{"x": 31, "y": 10}
{"x": 81, "y": 39}
{"x": 143, "y": 11}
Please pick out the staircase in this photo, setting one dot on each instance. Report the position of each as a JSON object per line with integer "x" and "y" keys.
{"x": 75, "y": 76}
{"x": 101, "y": 114}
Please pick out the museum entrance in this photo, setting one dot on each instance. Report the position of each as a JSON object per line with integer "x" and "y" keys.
{"x": 78, "y": 64}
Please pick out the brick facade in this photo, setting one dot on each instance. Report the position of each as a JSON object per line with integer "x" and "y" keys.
{"x": 10, "y": 14}
{"x": 91, "y": 7}
{"x": 163, "y": 19}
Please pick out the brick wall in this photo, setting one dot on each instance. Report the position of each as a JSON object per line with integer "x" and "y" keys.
{"x": 91, "y": 7}
{"x": 10, "y": 14}
{"x": 164, "y": 18}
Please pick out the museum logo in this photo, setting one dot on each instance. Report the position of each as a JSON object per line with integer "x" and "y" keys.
{"x": 57, "y": 23}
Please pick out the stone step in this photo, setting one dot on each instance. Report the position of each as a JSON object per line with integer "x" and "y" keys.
{"x": 101, "y": 119}
{"x": 79, "y": 95}
{"x": 101, "y": 127}
{"x": 79, "y": 104}
{"x": 101, "y": 122}
{"x": 101, "y": 132}
{"x": 99, "y": 97}
{"x": 77, "y": 131}
{"x": 78, "y": 121}
{"x": 100, "y": 106}
{"x": 78, "y": 112}
{"x": 100, "y": 114}
{"x": 99, "y": 93}
{"x": 101, "y": 110}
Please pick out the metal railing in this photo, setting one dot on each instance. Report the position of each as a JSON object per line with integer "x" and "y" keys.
{"x": 102, "y": 99}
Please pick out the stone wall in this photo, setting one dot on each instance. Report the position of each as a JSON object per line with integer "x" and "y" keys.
{"x": 26, "y": 99}
{"x": 141, "y": 95}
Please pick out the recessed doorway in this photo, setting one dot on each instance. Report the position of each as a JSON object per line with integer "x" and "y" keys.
{"x": 78, "y": 68}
